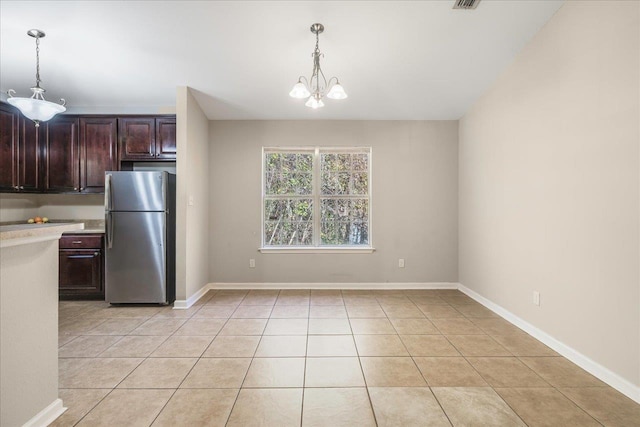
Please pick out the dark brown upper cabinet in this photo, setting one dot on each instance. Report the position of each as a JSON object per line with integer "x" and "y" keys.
{"x": 147, "y": 138}
{"x": 98, "y": 151}
{"x": 166, "y": 138}
{"x": 62, "y": 154}
{"x": 29, "y": 157}
{"x": 71, "y": 153}
{"x": 19, "y": 152}
{"x": 137, "y": 138}
{"x": 8, "y": 149}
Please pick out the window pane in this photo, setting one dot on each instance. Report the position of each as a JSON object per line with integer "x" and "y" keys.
{"x": 288, "y": 210}
{"x": 344, "y": 221}
{"x": 335, "y": 183}
{"x": 359, "y": 210}
{"x": 360, "y": 181}
{"x": 304, "y": 233}
{"x": 305, "y": 162}
{"x": 288, "y": 222}
{"x": 288, "y": 173}
{"x": 360, "y": 162}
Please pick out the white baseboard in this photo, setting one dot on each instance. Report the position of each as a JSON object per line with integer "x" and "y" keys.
{"x": 614, "y": 380}
{"x": 310, "y": 285}
{"x": 47, "y": 415}
{"x": 182, "y": 304}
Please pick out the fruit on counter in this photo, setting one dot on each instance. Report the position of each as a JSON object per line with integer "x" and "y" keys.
{"x": 38, "y": 220}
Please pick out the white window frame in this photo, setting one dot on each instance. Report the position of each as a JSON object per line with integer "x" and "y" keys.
{"x": 316, "y": 196}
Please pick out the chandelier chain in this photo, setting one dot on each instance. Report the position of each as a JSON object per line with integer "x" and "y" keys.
{"x": 38, "y": 62}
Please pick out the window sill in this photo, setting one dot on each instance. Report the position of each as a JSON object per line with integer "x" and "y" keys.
{"x": 314, "y": 250}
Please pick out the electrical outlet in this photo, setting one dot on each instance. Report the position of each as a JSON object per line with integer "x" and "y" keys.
{"x": 252, "y": 263}
{"x": 401, "y": 263}
{"x": 536, "y": 297}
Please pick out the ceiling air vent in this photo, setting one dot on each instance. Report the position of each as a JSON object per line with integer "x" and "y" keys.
{"x": 466, "y": 4}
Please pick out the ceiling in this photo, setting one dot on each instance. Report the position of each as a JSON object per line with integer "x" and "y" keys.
{"x": 397, "y": 60}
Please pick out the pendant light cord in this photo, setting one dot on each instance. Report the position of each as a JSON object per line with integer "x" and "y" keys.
{"x": 38, "y": 62}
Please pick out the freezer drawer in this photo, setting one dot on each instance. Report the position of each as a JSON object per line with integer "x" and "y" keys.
{"x": 135, "y": 267}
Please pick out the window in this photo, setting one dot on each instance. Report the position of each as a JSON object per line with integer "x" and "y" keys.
{"x": 316, "y": 198}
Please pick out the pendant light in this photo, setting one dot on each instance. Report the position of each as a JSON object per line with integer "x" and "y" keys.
{"x": 316, "y": 87}
{"x": 36, "y": 108}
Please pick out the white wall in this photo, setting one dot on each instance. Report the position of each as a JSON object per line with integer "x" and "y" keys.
{"x": 18, "y": 207}
{"x": 549, "y": 184}
{"x": 414, "y": 202}
{"x": 192, "y": 246}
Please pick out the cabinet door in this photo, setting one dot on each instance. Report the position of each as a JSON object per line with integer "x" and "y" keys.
{"x": 98, "y": 144}
{"x": 61, "y": 155}
{"x": 29, "y": 155}
{"x": 137, "y": 138}
{"x": 8, "y": 148}
{"x": 80, "y": 272}
{"x": 166, "y": 138}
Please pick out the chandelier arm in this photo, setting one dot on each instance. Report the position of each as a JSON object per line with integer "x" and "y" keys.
{"x": 304, "y": 80}
{"x": 330, "y": 80}
{"x": 11, "y": 93}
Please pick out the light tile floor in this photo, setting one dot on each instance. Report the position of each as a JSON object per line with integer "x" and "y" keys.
{"x": 320, "y": 358}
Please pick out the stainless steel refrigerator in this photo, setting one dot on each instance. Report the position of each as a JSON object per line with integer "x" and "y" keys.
{"x": 140, "y": 237}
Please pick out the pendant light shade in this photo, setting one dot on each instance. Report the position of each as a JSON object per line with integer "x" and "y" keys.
{"x": 337, "y": 92}
{"x": 314, "y": 103}
{"x": 299, "y": 91}
{"x": 36, "y": 107}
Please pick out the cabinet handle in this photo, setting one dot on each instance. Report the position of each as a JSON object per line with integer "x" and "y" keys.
{"x": 75, "y": 188}
{"x": 16, "y": 187}
{"x": 76, "y": 242}
{"x": 96, "y": 253}
{"x": 22, "y": 187}
{"x": 81, "y": 188}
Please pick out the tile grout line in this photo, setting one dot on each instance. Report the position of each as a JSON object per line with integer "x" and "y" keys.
{"x": 306, "y": 352}
{"x": 192, "y": 367}
{"x": 420, "y": 370}
{"x": 364, "y": 378}
{"x": 483, "y": 378}
{"x": 250, "y": 363}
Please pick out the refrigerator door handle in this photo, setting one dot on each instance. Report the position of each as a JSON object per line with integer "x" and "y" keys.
{"x": 109, "y": 229}
{"x": 107, "y": 192}
{"x": 164, "y": 191}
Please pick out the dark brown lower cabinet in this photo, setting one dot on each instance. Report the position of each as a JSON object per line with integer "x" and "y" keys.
{"x": 81, "y": 266}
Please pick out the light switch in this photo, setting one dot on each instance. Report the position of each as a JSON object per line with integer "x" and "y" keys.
{"x": 191, "y": 201}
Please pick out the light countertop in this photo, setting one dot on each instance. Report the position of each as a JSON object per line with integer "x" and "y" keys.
{"x": 94, "y": 230}
{"x": 17, "y": 234}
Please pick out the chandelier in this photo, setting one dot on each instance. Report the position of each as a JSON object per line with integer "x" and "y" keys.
{"x": 316, "y": 87}
{"x": 36, "y": 108}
